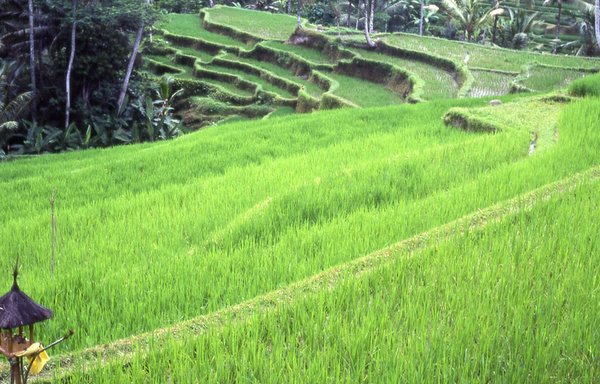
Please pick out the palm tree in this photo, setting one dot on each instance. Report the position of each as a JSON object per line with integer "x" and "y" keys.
{"x": 32, "y": 54}
{"x": 587, "y": 42}
{"x": 495, "y": 14}
{"x": 597, "y": 22}
{"x": 370, "y": 42}
{"x": 70, "y": 66}
{"x": 558, "y": 3}
{"x": 469, "y": 14}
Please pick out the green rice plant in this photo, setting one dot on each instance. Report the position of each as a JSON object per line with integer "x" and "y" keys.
{"x": 310, "y": 54}
{"x": 490, "y": 305}
{"x": 588, "y": 86}
{"x": 486, "y": 57}
{"x": 490, "y": 83}
{"x": 201, "y": 55}
{"x": 263, "y": 25}
{"x": 191, "y": 25}
{"x": 312, "y": 88}
{"x": 209, "y": 106}
{"x": 545, "y": 79}
{"x": 280, "y": 112}
{"x": 266, "y": 86}
{"x": 154, "y": 234}
{"x": 405, "y": 162}
{"x": 363, "y": 93}
{"x": 178, "y": 70}
{"x": 437, "y": 82}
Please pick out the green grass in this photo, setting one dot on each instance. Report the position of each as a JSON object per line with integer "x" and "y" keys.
{"x": 438, "y": 84}
{"x": 260, "y": 24}
{"x": 310, "y": 54}
{"x": 506, "y": 304}
{"x": 190, "y": 25}
{"x": 363, "y": 93}
{"x": 485, "y": 57}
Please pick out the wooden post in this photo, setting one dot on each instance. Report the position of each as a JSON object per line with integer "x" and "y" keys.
{"x": 31, "y": 340}
{"x": 15, "y": 371}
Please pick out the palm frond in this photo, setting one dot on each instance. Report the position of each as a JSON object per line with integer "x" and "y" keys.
{"x": 8, "y": 126}
{"x": 16, "y": 106}
{"x": 454, "y": 10}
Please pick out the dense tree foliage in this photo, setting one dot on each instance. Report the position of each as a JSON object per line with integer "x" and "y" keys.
{"x": 69, "y": 70}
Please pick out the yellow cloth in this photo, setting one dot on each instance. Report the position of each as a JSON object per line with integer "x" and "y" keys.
{"x": 40, "y": 360}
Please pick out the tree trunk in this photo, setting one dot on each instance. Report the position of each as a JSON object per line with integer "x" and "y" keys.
{"x": 372, "y": 14}
{"x": 289, "y": 7}
{"x": 555, "y": 48}
{"x": 136, "y": 47}
{"x": 597, "y": 20}
{"x": 32, "y": 61}
{"x": 298, "y": 8}
{"x": 421, "y": 12}
{"x": 350, "y": 13}
{"x": 357, "y": 13}
{"x": 494, "y": 29}
{"x": 70, "y": 68}
{"x": 367, "y": 36}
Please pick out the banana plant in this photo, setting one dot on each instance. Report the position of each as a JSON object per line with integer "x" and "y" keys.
{"x": 470, "y": 15}
{"x": 160, "y": 122}
{"x": 517, "y": 27}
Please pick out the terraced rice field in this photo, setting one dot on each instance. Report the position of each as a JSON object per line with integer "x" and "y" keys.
{"x": 421, "y": 243}
{"x": 438, "y": 83}
{"x": 263, "y": 25}
{"x": 486, "y": 57}
{"x": 191, "y": 26}
{"x": 370, "y": 95}
{"x": 487, "y": 83}
{"x": 310, "y": 54}
{"x": 544, "y": 79}
{"x": 229, "y": 33}
{"x": 246, "y": 226}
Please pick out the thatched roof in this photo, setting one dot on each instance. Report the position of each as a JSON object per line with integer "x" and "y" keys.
{"x": 17, "y": 309}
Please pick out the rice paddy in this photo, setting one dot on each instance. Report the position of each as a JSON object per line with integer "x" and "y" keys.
{"x": 438, "y": 83}
{"x": 348, "y": 245}
{"x": 240, "y": 36}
